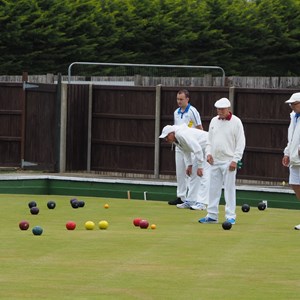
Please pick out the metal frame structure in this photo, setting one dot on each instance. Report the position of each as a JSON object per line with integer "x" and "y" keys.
{"x": 145, "y": 65}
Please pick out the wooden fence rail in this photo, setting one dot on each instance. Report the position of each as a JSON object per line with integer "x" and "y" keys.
{"x": 207, "y": 80}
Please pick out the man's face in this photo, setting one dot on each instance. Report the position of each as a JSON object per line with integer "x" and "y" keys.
{"x": 296, "y": 107}
{"x": 170, "y": 138}
{"x": 182, "y": 100}
{"x": 223, "y": 112}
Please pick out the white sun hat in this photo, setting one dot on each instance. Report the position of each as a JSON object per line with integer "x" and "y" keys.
{"x": 294, "y": 98}
{"x": 166, "y": 130}
{"x": 223, "y": 103}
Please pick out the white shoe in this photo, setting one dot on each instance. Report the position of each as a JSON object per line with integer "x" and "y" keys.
{"x": 297, "y": 227}
{"x": 185, "y": 204}
{"x": 198, "y": 206}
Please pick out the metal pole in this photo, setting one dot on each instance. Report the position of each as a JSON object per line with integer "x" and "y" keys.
{"x": 144, "y": 65}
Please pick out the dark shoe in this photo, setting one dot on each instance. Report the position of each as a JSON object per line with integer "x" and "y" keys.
{"x": 175, "y": 202}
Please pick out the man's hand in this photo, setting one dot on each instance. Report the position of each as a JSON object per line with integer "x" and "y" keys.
{"x": 232, "y": 166}
{"x": 285, "y": 161}
{"x": 189, "y": 170}
{"x": 210, "y": 159}
{"x": 200, "y": 172}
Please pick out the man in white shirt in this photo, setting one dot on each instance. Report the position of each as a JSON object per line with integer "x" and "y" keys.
{"x": 291, "y": 158}
{"x": 225, "y": 147}
{"x": 192, "y": 143}
{"x": 184, "y": 114}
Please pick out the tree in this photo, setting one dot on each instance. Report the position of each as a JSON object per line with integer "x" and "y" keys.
{"x": 258, "y": 37}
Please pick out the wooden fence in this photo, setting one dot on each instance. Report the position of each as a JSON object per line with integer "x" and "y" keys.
{"x": 113, "y": 130}
{"x": 207, "y": 80}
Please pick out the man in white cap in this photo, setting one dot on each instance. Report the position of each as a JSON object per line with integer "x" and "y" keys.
{"x": 192, "y": 143}
{"x": 291, "y": 157}
{"x": 225, "y": 147}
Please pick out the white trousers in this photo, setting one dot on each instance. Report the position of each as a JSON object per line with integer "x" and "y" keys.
{"x": 220, "y": 175}
{"x": 181, "y": 177}
{"x": 199, "y": 186}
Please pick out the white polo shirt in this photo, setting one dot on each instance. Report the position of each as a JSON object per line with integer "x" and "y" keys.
{"x": 190, "y": 117}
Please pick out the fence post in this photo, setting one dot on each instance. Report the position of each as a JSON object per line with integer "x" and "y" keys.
{"x": 208, "y": 80}
{"x": 57, "y": 124}
{"x": 89, "y": 137}
{"x": 23, "y": 120}
{"x": 231, "y": 97}
{"x": 157, "y": 130}
{"x": 138, "y": 80}
{"x": 63, "y": 127}
{"x": 50, "y": 78}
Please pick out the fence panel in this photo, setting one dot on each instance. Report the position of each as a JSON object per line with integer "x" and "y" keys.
{"x": 41, "y": 127}
{"x": 123, "y": 129}
{"x": 10, "y": 124}
{"x": 266, "y": 118}
{"x": 77, "y": 127}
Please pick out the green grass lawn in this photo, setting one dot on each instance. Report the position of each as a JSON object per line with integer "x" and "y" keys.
{"x": 180, "y": 259}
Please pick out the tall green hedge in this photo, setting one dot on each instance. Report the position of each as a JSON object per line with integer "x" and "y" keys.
{"x": 258, "y": 38}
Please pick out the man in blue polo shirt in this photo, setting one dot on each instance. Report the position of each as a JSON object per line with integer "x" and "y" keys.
{"x": 184, "y": 114}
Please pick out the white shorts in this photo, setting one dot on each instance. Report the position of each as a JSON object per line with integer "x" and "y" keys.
{"x": 294, "y": 175}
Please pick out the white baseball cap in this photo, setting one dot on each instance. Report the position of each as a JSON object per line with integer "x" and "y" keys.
{"x": 223, "y": 103}
{"x": 294, "y": 98}
{"x": 166, "y": 130}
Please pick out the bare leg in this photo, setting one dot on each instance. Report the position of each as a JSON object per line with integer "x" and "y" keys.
{"x": 296, "y": 188}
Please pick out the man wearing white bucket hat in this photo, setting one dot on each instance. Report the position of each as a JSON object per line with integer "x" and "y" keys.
{"x": 192, "y": 143}
{"x": 225, "y": 147}
{"x": 291, "y": 157}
